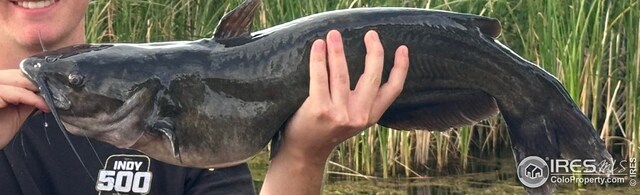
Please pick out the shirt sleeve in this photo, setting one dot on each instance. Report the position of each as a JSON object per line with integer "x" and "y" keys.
{"x": 231, "y": 180}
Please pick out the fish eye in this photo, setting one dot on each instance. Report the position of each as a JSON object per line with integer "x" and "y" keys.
{"x": 75, "y": 78}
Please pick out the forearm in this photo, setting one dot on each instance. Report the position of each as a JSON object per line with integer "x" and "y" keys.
{"x": 295, "y": 172}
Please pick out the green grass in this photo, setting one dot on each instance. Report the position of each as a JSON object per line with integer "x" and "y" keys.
{"x": 591, "y": 46}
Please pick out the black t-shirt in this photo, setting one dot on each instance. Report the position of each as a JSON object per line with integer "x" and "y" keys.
{"x": 39, "y": 160}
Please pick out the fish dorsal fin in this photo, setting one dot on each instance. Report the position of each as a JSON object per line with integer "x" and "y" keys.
{"x": 236, "y": 24}
{"x": 488, "y": 26}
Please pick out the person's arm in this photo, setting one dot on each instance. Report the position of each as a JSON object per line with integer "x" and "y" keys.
{"x": 332, "y": 113}
{"x": 17, "y": 101}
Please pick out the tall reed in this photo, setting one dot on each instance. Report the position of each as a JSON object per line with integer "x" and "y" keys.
{"x": 591, "y": 46}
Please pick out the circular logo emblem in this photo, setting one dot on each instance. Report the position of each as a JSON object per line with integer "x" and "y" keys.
{"x": 533, "y": 171}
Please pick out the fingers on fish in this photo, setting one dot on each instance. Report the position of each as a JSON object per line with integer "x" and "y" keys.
{"x": 318, "y": 70}
{"x": 16, "y": 95}
{"x": 338, "y": 71}
{"x": 393, "y": 87}
{"x": 369, "y": 83}
{"x": 9, "y": 77}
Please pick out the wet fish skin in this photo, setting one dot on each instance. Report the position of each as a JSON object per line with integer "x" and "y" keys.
{"x": 217, "y": 102}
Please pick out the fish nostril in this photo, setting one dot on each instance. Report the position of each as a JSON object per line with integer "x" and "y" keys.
{"x": 37, "y": 65}
{"x": 50, "y": 59}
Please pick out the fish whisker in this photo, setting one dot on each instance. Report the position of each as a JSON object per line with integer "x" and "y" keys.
{"x": 22, "y": 144}
{"x": 46, "y": 93}
{"x": 46, "y": 131}
{"x": 89, "y": 141}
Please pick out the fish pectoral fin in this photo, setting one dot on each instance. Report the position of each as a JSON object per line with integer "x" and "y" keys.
{"x": 276, "y": 141}
{"x": 237, "y": 23}
{"x": 439, "y": 110}
{"x": 166, "y": 127}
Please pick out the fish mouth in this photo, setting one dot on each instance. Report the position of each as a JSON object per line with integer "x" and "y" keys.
{"x": 57, "y": 100}
{"x": 122, "y": 128}
{"x": 119, "y": 129}
{"x": 30, "y": 70}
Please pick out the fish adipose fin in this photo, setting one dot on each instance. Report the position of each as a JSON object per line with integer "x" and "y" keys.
{"x": 488, "y": 26}
{"x": 236, "y": 25}
{"x": 439, "y": 110}
{"x": 559, "y": 134}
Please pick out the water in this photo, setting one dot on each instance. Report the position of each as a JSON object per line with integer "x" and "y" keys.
{"x": 473, "y": 183}
{"x": 492, "y": 177}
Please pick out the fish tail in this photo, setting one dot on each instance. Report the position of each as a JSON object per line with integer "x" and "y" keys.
{"x": 563, "y": 134}
{"x": 533, "y": 140}
{"x": 578, "y": 137}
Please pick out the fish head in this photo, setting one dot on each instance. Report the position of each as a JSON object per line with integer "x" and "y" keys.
{"x": 86, "y": 98}
{"x": 109, "y": 93}
{"x": 61, "y": 76}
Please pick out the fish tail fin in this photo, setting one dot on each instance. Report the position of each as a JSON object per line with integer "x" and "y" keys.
{"x": 578, "y": 137}
{"x": 566, "y": 134}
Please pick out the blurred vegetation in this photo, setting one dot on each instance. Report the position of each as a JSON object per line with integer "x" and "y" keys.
{"x": 591, "y": 46}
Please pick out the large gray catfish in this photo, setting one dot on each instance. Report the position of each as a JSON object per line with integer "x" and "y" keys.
{"x": 217, "y": 102}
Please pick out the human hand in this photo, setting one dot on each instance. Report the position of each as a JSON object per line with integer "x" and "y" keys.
{"x": 332, "y": 113}
{"x": 17, "y": 101}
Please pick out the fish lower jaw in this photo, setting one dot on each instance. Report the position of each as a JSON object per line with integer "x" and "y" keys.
{"x": 122, "y": 135}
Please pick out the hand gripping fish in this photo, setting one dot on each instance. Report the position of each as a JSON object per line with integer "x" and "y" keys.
{"x": 217, "y": 102}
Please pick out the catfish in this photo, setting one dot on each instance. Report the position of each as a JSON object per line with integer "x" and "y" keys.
{"x": 216, "y": 102}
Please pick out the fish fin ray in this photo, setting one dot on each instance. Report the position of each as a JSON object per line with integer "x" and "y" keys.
{"x": 237, "y": 23}
{"x": 440, "y": 110}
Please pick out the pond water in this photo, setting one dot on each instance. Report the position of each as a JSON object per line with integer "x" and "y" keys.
{"x": 473, "y": 183}
{"x": 497, "y": 177}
